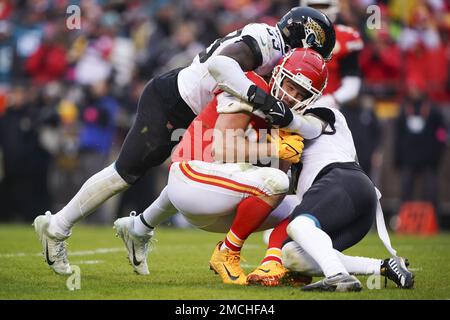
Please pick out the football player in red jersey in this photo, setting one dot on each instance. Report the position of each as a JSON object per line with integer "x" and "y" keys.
{"x": 344, "y": 79}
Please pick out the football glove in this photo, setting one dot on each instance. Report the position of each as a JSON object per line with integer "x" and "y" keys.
{"x": 289, "y": 145}
{"x": 276, "y": 112}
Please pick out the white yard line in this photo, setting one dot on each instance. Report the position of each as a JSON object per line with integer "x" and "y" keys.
{"x": 87, "y": 262}
{"x": 74, "y": 253}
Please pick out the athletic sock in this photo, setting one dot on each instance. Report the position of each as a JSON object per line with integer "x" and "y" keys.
{"x": 360, "y": 265}
{"x": 159, "y": 211}
{"x": 141, "y": 227}
{"x": 95, "y": 191}
{"x": 317, "y": 244}
{"x": 276, "y": 239}
{"x": 251, "y": 213}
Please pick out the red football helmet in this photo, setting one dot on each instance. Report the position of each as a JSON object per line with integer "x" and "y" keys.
{"x": 304, "y": 67}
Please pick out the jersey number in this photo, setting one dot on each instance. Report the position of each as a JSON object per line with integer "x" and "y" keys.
{"x": 204, "y": 55}
{"x": 273, "y": 40}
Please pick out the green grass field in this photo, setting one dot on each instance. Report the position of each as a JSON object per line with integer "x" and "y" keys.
{"x": 179, "y": 268}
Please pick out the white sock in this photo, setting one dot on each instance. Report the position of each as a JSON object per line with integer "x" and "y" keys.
{"x": 317, "y": 244}
{"x": 140, "y": 228}
{"x": 96, "y": 190}
{"x": 360, "y": 265}
{"x": 295, "y": 258}
{"x": 159, "y": 211}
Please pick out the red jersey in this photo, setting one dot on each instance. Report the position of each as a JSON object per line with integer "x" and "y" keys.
{"x": 348, "y": 41}
{"x": 197, "y": 141}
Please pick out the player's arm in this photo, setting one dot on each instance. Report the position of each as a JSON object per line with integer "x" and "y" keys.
{"x": 230, "y": 143}
{"x": 231, "y": 79}
{"x": 313, "y": 123}
{"x": 228, "y": 67}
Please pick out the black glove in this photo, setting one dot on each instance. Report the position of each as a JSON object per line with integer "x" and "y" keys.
{"x": 275, "y": 110}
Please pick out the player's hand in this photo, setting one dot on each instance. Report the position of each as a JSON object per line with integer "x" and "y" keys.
{"x": 227, "y": 103}
{"x": 276, "y": 112}
{"x": 289, "y": 145}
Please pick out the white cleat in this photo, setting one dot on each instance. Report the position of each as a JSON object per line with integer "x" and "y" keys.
{"x": 339, "y": 283}
{"x": 137, "y": 246}
{"x": 53, "y": 245}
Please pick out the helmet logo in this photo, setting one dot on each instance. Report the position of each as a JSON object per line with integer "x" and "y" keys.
{"x": 314, "y": 34}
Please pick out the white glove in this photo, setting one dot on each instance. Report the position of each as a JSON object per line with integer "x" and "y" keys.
{"x": 227, "y": 103}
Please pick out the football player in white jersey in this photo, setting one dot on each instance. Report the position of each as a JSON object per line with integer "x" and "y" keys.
{"x": 172, "y": 100}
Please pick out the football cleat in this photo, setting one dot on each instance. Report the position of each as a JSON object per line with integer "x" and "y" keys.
{"x": 396, "y": 269}
{"x": 339, "y": 282}
{"x": 53, "y": 245}
{"x": 268, "y": 274}
{"x": 137, "y": 246}
{"x": 226, "y": 264}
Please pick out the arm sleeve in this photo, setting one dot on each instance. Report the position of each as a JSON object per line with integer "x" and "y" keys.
{"x": 308, "y": 126}
{"x": 229, "y": 76}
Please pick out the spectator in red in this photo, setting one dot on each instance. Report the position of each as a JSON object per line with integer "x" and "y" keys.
{"x": 425, "y": 54}
{"x": 49, "y": 61}
{"x": 381, "y": 64}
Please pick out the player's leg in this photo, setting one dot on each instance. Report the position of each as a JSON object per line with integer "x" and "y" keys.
{"x": 208, "y": 196}
{"x": 302, "y": 266}
{"x": 251, "y": 213}
{"x": 271, "y": 269}
{"x": 147, "y": 144}
{"x": 242, "y": 191}
{"x": 167, "y": 112}
{"x": 53, "y": 230}
{"x": 334, "y": 201}
{"x": 395, "y": 268}
{"x": 188, "y": 195}
{"x": 298, "y": 261}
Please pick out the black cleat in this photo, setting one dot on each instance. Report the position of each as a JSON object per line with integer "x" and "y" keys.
{"x": 340, "y": 283}
{"x": 396, "y": 269}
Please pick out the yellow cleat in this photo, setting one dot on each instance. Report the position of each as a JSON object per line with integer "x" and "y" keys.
{"x": 274, "y": 274}
{"x": 268, "y": 274}
{"x": 226, "y": 263}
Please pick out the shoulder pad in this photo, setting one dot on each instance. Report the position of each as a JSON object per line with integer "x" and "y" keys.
{"x": 325, "y": 115}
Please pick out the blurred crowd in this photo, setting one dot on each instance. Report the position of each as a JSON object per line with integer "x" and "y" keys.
{"x": 68, "y": 96}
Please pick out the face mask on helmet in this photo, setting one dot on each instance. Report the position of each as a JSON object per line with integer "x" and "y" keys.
{"x": 291, "y": 77}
